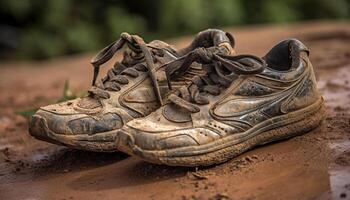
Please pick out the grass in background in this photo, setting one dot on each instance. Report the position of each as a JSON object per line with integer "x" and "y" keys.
{"x": 40, "y": 29}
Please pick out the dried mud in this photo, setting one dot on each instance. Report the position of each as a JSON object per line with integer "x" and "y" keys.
{"x": 313, "y": 166}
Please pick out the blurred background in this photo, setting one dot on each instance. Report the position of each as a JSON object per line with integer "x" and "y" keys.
{"x": 42, "y": 29}
{"x": 45, "y": 49}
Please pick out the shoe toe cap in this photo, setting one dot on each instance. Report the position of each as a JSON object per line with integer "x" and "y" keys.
{"x": 44, "y": 122}
{"x": 38, "y": 128}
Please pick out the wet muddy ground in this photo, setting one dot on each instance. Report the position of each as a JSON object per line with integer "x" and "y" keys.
{"x": 313, "y": 166}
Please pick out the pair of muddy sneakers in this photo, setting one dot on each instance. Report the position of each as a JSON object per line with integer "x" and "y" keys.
{"x": 199, "y": 105}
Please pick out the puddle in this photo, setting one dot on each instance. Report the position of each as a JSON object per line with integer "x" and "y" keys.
{"x": 340, "y": 170}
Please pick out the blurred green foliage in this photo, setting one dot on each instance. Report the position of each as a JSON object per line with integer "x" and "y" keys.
{"x": 38, "y": 29}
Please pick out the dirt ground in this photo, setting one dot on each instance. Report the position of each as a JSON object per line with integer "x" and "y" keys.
{"x": 313, "y": 166}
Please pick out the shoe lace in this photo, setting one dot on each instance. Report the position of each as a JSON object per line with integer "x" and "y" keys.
{"x": 117, "y": 76}
{"x": 221, "y": 70}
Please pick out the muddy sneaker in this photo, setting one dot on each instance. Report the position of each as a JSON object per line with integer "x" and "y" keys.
{"x": 245, "y": 101}
{"x": 133, "y": 88}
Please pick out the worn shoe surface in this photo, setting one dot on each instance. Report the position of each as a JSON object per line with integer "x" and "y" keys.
{"x": 133, "y": 88}
{"x": 244, "y": 101}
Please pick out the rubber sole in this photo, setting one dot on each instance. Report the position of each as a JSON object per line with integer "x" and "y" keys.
{"x": 277, "y": 128}
{"x": 100, "y": 142}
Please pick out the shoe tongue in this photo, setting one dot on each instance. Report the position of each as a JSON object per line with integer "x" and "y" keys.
{"x": 161, "y": 45}
{"x": 89, "y": 103}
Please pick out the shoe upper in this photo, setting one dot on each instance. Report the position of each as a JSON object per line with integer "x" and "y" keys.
{"x": 238, "y": 94}
{"x": 133, "y": 88}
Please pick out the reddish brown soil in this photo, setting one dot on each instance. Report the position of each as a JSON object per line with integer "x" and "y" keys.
{"x": 313, "y": 166}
